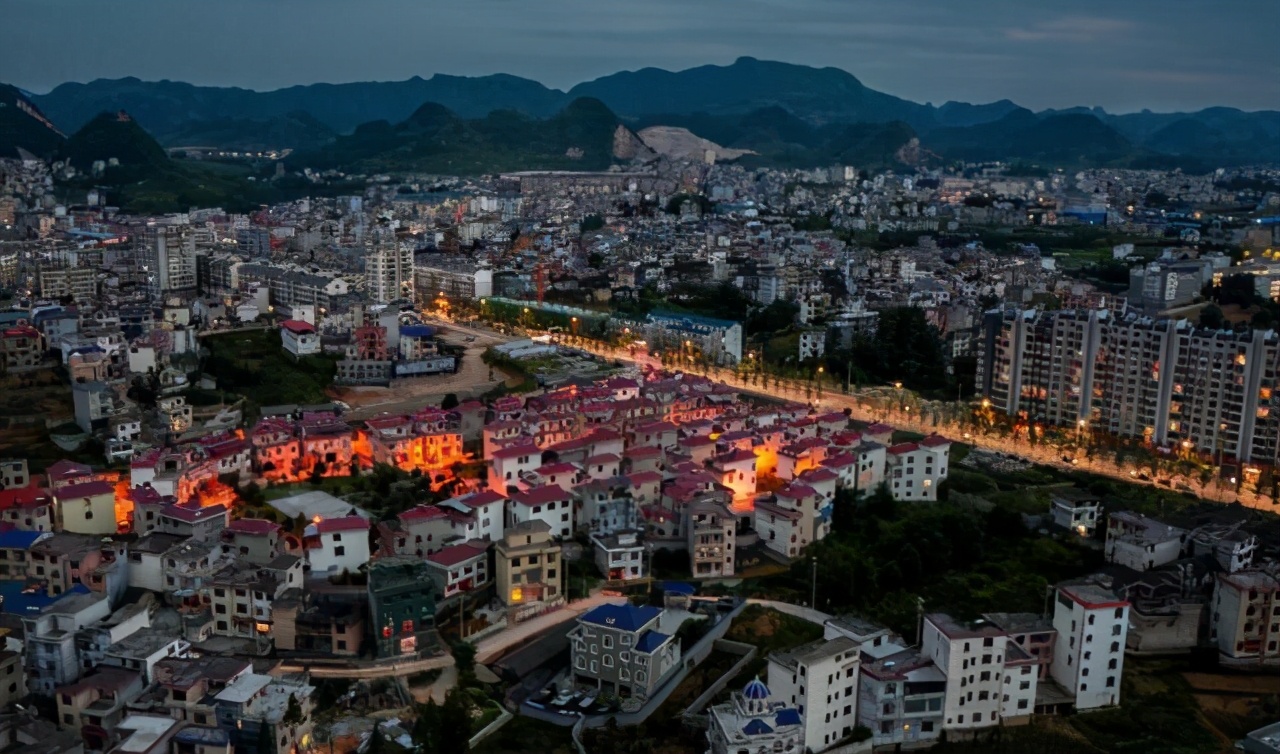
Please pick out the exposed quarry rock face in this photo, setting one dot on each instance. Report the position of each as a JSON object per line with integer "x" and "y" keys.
{"x": 628, "y": 146}
{"x": 909, "y": 153}
{"x": 682, "y": 144}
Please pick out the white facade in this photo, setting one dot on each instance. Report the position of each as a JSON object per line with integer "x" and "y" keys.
{"x": 821, "y": 680}
{"x": 299, "y": 338}
{"x": 971, "y": 656}
{"x": 916, "y": 469}
{"x": 1088, "y": 657}
{"x": 335, "y": 545}
{"x": 388, "y": 270}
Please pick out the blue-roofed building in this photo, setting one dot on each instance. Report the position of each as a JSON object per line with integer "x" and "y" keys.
{"x": 619, "y": 649}
{"x": 754, "y": 721}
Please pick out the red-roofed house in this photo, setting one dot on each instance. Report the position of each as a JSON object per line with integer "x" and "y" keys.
{"x": 29, "y": 508}
{"x": 335, "y": 545}
{"x": 915, "y": 469}
{"x": 488, "y": 510}
{"x": 299, "y": 338}
{"x": 190, "y": 519}
{"x": 662, "y": 434}
{"x": 422, "y": 530}
{"x": 881, "y": 433}
{"x": 560, "y": 474}
{"x": 460, "y": 568}
{"x": 603, "y": 466}
{"x": 87, "y": 508}
{"x": 548, "y": 503}
{"x": 509, "y": 464}
{"x": 66, "y": 472}
{"x": 22, "y": 347}
{"x": 780, "y": 529}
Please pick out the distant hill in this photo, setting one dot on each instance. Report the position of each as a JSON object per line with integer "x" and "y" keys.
{"x": 817, "y": 95}
{"x": 434, "y": 139}
{"x": 778, "y": 109}
{"x": 23, "y": 126}
{"x": 116, "y": 136}
{"x": 165, "y": 107}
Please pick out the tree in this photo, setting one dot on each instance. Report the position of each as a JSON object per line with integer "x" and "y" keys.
{"x": 1211, "y": 317}
{"x": 450, "y": 401}
{"x": 464, "y": 658}
{"x": 455, "y": 723}
{"x": 292, "y": 712}
{"x": 426, "y": 729}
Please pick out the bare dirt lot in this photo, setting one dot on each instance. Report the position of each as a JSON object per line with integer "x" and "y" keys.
{"x": 405, "y": 396}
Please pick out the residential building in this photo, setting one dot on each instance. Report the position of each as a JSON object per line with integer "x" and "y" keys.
{"x": 619, "y": 650}
{"x": 1245, "y": 623}
{"x": 402, "y": 606}
{"x": 299, "y": 338}
{"x": 1088, "y": 655}
{"x": 820, "y": 679}
{"x": 457, "y": 569}
{"x": 915, "y": 469}
{"x": 334, "y": 545}
{"x": 619, "y": 556}
{"x": 527, "y": 567}
{"x": 901, "y": 695}
{"x": 754, "y": 721}
{"x": 711, "y": 535}
{"x": 388, "y": 269}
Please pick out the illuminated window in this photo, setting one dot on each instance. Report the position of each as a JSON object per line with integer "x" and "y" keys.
{"x": 517, "y": 594}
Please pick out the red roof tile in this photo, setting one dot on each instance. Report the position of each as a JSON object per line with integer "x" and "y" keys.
{"x": 343, "y": 523}
{"x": 547, "y": 493}
{"x": 297, "y": 326}
{"x": 456, "y": 554}
{"x": 253, "y": 526}
{"x": 85, "y": 489}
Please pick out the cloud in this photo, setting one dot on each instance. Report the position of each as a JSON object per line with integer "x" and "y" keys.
{"x": 1070, "y": 29}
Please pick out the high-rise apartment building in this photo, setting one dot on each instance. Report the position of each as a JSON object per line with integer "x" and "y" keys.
{"x": 1161, "y": 380}
{"x": 167, "y": 260}
{"x": 388, "y": 269}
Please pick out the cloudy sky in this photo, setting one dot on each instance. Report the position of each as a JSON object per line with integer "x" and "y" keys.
{"x": 1123, "y": 55}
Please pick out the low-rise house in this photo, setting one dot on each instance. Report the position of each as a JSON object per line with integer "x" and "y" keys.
{"x": 49, "y": 639}
{"x": 527, "y": 567}
{"x": 620, "y": 556}
{"x": 1075, "y": 510}
{"x": 334, "y": 545}
{"x": 901, "y": 695}
{"x": 549, "y": 503}
{"x": 254, "y": 540}
{"x": 754, "y": 721}
{"x": 1142, "y": 543}
{"x": 299, "y": 338}
{"x": 619, "y": 650}
{"x": 915, "y": 469}
{"x": 88, "y": 508}
{"x": 460, "y": 568}
{"x": 96, "y": 704}
{"x": 1245, "y": 623}
{"x": 402, "y": 607}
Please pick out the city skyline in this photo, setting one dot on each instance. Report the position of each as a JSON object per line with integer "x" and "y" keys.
{"x": 1138, "y": 56}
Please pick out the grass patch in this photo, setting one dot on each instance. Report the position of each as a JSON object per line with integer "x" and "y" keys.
{"x": 255, "y": 365}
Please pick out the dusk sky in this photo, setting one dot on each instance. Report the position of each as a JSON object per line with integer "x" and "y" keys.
{"x": 1124, "y": 56}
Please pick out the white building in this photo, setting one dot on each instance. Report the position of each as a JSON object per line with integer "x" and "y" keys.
{"x": 620, "y": 556}
{"x": 820, "y": 679}
{"x": 1142, "y": 543}
{"x": 388, "y": 269}
{"x": 915, "y": 469}
{"x": 755, "y": 721}
{"x": 335, "y": 545}
{"x": 1246, "y": 608}
{"x": 1088, "y": 656}
{"x": 813, "y": 343}
{"x": 1076, "y": 510}
{"x": 299, "y": 338}
{"x": 972, "y": 657}
{"x": 549, "y": 503}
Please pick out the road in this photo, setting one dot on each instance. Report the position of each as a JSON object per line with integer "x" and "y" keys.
{"x": 398, "y": 669}
{"x": 798, "y": 611}
{"x": 493, "y": 647}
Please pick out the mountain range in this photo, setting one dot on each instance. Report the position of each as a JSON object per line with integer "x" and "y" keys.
{"x": 785, "y": 114}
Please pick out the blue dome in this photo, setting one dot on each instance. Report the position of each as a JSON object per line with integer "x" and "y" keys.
{"x": 756, "y": 690}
